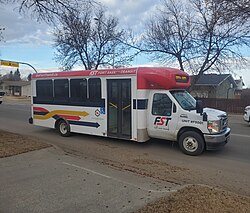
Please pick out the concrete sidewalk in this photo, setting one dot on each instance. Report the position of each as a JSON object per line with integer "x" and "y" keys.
{"x": 50, "y": 181}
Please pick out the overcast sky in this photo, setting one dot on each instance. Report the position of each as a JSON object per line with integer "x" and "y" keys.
{"x": 27, "y": 40}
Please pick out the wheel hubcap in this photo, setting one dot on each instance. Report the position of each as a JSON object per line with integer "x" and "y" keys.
{"x": 190, "y": 144}
{"x": 63, "y": 128}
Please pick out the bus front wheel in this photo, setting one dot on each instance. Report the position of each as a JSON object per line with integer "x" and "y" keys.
{"x": 191, "y": 143}
{"x": 63, "y": 128}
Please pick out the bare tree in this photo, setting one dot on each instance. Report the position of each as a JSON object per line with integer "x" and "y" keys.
{"x": 169, "y": 34}
{"x": 90, "y": 39}
{"x": 1, "y": 33}
{"x": 197, "y": 35}
{"x": 48, "y": 10}
{"x": 1, "y": 37}
{"x": 219, "y": 39}
{"x": 235, "y": 9}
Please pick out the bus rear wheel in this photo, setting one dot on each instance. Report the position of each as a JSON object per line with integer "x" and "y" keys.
{"x": 63, "y": 128}
{"x": 191, "y": 143}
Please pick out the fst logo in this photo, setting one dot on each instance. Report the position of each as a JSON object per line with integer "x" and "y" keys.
{"x": 162, "y": 121}
{"x": 93, "y": 73}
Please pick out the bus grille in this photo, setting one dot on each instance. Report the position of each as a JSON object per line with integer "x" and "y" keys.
{"x": 224, "y": 121}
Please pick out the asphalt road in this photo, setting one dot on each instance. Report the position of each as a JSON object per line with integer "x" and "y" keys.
{"x": 228, "y": 167}
{"x": 14, "y": 117}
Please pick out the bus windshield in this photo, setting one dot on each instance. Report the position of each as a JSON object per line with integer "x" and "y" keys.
{"x": 186, "y": 101}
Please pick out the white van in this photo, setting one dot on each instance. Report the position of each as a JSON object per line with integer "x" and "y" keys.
{"x": 247, "y": 114}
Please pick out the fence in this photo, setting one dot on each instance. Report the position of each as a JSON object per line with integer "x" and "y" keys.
{"x": 228, "y": 105}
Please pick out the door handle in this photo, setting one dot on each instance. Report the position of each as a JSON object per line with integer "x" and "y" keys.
{"x": 126, "y": 107}
{"x": 113, "y": 105}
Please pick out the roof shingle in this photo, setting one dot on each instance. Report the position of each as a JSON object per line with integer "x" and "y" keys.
{"x": 213, "y": 79}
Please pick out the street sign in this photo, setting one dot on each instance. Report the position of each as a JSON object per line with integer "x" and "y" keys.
{"x": 9, "y": 63}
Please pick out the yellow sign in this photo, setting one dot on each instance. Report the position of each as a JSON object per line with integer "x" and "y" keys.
{"x": 9, "y": 63}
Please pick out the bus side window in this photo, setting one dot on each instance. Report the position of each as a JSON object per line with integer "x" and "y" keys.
{"x": 78, "y": 90}
{"x": 162, "y": 105}
{"x": 94, "y": 89}
{"x": 61, "y": 90}
{"x": 44, "y": 91}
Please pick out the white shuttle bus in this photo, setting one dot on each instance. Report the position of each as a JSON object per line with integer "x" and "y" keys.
{"x": 127, "y": 103}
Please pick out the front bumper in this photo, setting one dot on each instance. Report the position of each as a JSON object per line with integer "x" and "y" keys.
{"x": 217, "y": 141}
{"x": 246, "y": 117}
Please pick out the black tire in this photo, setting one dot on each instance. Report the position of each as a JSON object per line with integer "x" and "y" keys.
{"x": 191, "y": 143}
{"x": 0, "y": 102}
{"x": 63, "y": 128}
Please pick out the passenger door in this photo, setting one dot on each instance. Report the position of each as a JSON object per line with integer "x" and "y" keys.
{"x": 119, "y": 108}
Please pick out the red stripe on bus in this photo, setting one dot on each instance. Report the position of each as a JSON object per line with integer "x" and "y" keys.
{"x": 70, "y": 117}
{"x": 40, "y": 109}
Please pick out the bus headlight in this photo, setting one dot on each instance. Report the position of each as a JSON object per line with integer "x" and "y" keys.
{"x": 213, "y": 126}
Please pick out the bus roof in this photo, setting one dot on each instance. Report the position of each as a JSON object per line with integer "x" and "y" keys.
{"x": 147, "y": 77}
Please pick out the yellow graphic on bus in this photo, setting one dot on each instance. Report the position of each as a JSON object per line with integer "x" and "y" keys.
{"x": 61, "y": 112}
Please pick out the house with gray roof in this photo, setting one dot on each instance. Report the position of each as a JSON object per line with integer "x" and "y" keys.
{"x": 217, "y": 86}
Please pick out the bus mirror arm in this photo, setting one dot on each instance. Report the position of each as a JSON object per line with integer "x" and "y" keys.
{"x": 204, "y": 118}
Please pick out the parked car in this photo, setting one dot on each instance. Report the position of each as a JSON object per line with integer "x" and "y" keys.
{"x": 247, "y": 114}
{"x": 1, "y": 97}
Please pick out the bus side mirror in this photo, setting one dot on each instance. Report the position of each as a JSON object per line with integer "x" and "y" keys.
{"x": 199, "y": 107}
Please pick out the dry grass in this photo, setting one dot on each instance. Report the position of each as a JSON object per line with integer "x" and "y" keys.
{"x": 197, "y": 199}
{"x": 14, "y": 144}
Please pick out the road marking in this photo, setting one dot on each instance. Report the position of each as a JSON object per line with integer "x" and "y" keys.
{"x": 118, "y": 180}
{"x": 247, "y": 136}
{"x": 88, "y": 170}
